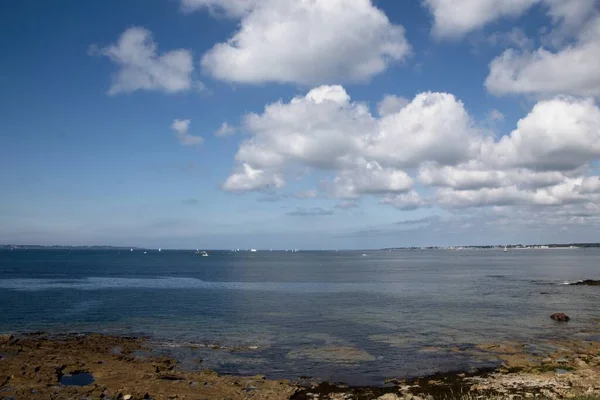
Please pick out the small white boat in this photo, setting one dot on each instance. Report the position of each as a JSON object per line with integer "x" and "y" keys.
{"x": 253, "y": 250}
{"x": 204, "y": 254}
{"x": 159, "y": 250}
{"x": 505, "y": 250}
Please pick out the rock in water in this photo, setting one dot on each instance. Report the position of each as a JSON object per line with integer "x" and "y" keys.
{"x": 587, "y": 282}
{"x": 561, "y": 317}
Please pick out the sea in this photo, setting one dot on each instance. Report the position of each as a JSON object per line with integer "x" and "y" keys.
{"x": 352, "y": 316}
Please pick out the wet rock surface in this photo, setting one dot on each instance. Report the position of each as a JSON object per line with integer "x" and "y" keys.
{"x": 587, "y": 282}
{"x": 572, "y": 369}
{"x": 34, "y": 366}
{"x": 560, "y": 317}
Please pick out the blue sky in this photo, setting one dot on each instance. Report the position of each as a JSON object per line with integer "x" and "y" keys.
{"x": 348, "y": 123}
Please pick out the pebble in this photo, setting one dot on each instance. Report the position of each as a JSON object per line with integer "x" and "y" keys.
{"x": 127, "y": 397}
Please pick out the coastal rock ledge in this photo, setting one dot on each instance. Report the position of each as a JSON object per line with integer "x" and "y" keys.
{"x": 32, "y": 365}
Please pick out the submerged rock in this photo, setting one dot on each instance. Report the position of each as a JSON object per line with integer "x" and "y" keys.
{"x": 561, "y": 317}
{"x": 332, "y": 354}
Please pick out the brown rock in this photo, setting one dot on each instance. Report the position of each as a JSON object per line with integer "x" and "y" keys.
{"x": 587, "y": 282}
{"x": 561, "y": 317}
{"x": 579, "y": 363}
{"x": 5, "y": 338}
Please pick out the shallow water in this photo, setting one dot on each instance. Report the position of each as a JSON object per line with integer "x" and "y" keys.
{"x": 78, "y": 379}
{"x": 333, "y": 315}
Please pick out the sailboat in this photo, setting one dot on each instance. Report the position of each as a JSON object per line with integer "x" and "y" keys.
{"x": 505, "y": 250}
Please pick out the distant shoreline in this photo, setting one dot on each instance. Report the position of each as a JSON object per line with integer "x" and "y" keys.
{"x": 556, "y": 246}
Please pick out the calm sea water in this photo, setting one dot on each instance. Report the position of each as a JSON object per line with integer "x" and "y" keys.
{"x": 333, "y": 315}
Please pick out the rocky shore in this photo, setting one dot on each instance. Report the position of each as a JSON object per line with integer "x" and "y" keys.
{"x": 40, "y": 366}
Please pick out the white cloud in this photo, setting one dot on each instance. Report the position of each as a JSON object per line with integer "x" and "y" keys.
{"x": 428, "y": 153}
{"x": 545, "y": 161}
{"x": 347, "y": 204}
{"x": 558, "y": 134}
{"x": 368, "y": 177}
{"x": 433, "y": 126}
{"x": 325, "y": 130}
{"x": 304, "y": 42}
{"x": 570, "y": 70}
{"x": 453, "y": 19}
{"x": 232, "y": 8}
{"x": 571, "y": 191}
{"x": 142, "y": 68}
{"x": 495, "y": 115}
{"x": 405, "y": 202}
{"x": 248, "y": 179}
{"x": 391, "y": 104}
{"x": 569, "y": 17}
{"x": 306, "y": 194}
{"x": 568, "y": 63}
{"x": 475, "y": 175}
{"x": 456, "y": 18}
{"x": 310, "y": 212}
{"x": 516, "y": 37}
{"x": 181, "y": 127}
{"x": 322, "y": 129}
{"x": 225, "y": 130}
